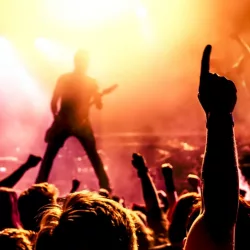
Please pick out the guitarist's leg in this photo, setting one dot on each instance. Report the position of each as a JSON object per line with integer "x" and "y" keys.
{"x": 88, "y": 142}
{"x": 53, "y": 146}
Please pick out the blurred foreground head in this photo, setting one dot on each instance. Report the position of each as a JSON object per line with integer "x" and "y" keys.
{"x": 16, "y": 239}
{"x": 87, "y": 221}
{"x": 32, "y": 203}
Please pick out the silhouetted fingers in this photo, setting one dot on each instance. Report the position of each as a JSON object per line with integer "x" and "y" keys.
{"x": 205, "y": 64}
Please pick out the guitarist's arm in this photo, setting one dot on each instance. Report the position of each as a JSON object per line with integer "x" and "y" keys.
{"x": 56, "y": 96}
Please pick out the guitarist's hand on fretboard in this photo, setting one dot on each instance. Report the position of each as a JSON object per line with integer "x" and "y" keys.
{"x": 105, "y": 92}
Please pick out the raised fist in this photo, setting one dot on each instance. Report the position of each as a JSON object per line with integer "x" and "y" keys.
{"x": 216, "y": 94}
{"x": 75, "y": 184}
{"x": 167, "y": 169}
{"x": 33, "y": 160}
{"x": 138, "y": 162}
{"x": 193, "y": 180}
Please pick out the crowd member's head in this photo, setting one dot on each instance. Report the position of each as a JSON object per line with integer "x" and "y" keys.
{"x": 87, "y": 221}
{"x": 182, "y": 210}
{"x": 242, "y": 225}
{"x": 9, "y": 216}
{"x": 119, "y": 200}
{"x": 33, "y": 202}
{"x": 103, "y": 192}
{"x": 142, "y": 216}
{"x": 16, "y": 239}
{"x": 144, "y": 234}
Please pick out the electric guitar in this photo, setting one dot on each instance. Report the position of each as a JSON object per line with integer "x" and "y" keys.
{"x": 105, "y": 92}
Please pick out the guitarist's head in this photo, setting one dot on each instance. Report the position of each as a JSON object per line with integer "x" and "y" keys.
{"x": 81, "y": 61}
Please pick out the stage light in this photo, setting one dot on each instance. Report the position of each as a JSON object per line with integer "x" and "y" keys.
{"x": 141, "y": 12}
{"x": 84, "y": 12}
{"x": 7, "y": 58}
{"x": 16, "y": 80}
{"x": 53, "y": 50}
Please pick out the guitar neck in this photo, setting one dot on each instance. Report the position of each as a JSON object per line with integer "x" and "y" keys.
{"x": 93, "y": 101}
{"x": 105, "y": 92}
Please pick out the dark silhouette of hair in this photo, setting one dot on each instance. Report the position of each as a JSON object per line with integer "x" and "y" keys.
{"x": 144, "y": 234}
{"x": 87, "y": 221}
{"x": 33, "y": 201}
{"x": 9, "y": 216}
{"x": 16, "y": 239}
{"x": 103, "y": 192}
{"x": 242, "y": 225}
{"x": 182, "y": 210}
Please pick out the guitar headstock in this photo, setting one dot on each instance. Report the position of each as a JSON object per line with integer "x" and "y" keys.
{"x": 110, "y": 89}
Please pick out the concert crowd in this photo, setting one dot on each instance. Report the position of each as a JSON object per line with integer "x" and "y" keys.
{"x": 213, "y": 215}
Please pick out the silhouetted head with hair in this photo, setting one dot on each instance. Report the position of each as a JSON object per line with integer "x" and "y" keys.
{"x": 16, "y": 239}
{"x": 105, "y": 193}
{"x": 87, "y": 221}
{"x": 32, "y": 203}
{"x": 242, "y": 225}
{"x": 81, "y": 61}
{"x": 119, "y": 200}
{"x": 144, "y": 234}
{"x": 9, "y": 216}
{"x": 181, "y": 213}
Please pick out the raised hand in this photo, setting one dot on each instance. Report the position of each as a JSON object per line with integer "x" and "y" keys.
{"x": 167, "y": 169}
{"x": 33, "y": 161}
{"x": 193, "y": 180}
{"x": 138, "y": 162}
{"x": 216, "y": 94}
{"x": 75, "y": 184}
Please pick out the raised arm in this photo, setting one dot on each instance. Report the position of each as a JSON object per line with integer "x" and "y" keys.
{"x": 217, "y": 96}
{"x": 167, "y": 171}
{"x": 148, "y": 188}
{"x": 56, "y": 96}
{"x": 75, "y": 185}
{"x": 195, "y": 183}
{"x": 155, "y": 215}
{"x": 11, "y": 180}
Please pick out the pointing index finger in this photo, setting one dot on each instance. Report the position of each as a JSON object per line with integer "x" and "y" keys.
{"x": 205, "y": 62}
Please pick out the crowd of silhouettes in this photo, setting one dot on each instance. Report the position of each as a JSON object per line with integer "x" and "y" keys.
{"x": 213, "y": 216}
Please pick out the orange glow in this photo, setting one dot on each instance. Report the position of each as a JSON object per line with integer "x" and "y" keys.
{"x": 53, "y": 50}
{"x": 85, "y": 12}
{"x": 151, "y": 47}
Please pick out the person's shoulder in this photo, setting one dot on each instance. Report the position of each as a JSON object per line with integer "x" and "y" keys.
{"x": 64, "y": 77}
{"x": 91, "y": 80}
{"x": 92, "y": 83}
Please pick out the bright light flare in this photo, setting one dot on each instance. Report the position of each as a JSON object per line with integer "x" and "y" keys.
{"x": 14, "y": 76}
{"x": 79, "y": 12}
{"x": 141, "y": 12}
{"x": 53, "y": 50}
